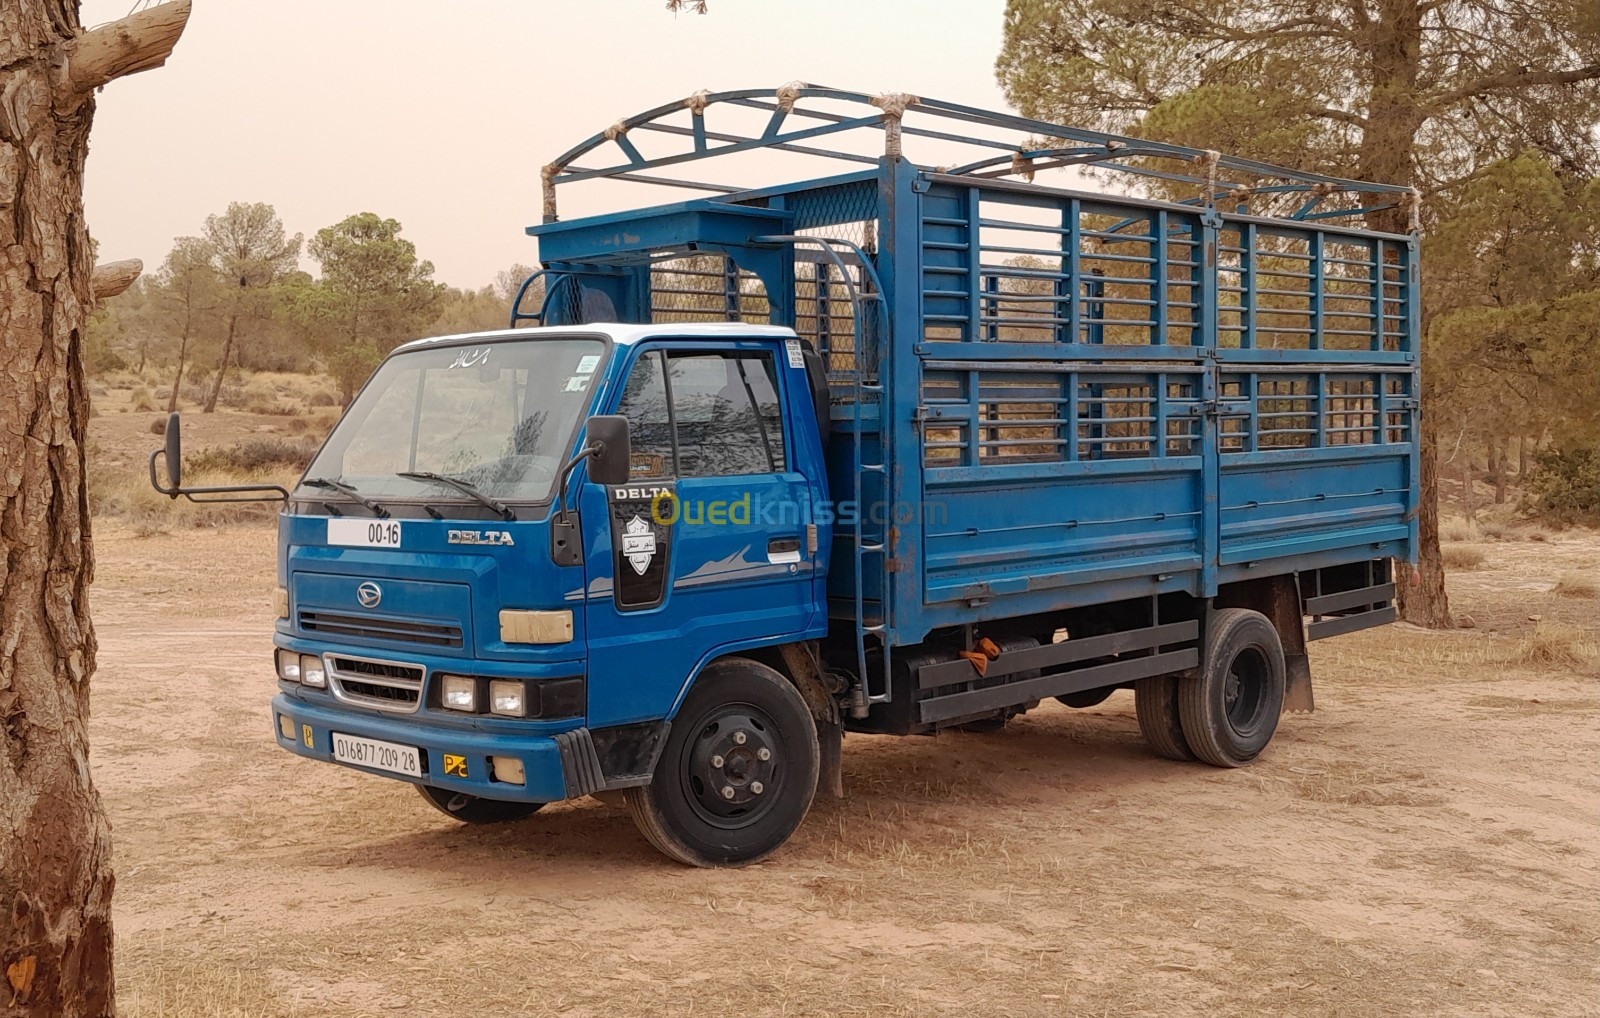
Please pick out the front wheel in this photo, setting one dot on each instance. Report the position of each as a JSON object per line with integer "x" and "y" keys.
{"x": 1231, "y": 709}
{"x": 738, "y": 772}
{"x": 472, "y": 809}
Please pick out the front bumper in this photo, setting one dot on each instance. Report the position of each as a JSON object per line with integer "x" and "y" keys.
{"x": 555, "y": 767}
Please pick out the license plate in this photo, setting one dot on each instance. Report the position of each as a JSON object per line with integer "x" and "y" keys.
{"x": 365, "y": 533}
{"x": 382, "y": 756}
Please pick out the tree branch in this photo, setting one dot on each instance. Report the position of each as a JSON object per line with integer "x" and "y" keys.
{"x": 1343, "y": 116}
{"x": 1506, "y": 82}
{"x": 136, "y": 43}
{"x": 111, "y": 278}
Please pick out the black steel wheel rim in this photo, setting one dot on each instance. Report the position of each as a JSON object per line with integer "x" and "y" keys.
{"x": 1244, "y": 691}
{"x": 732, "y": 767}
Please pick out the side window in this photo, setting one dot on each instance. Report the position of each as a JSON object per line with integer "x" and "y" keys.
{"x": 726, "y": 410}
{"x": 644, "y": 403}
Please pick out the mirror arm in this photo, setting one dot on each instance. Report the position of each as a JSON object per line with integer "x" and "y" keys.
{"x": 255, "y": 492}
{"x": 593, "y": 449}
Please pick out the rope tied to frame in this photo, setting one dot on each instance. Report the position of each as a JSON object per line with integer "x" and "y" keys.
{"x": 1414, "y": 211}
{"x": 547, "y": 181}
{"x": 615, "y": 131}
{"x": 698, "y": 102}
{"x": 788, "y": 94}
{"x": 894, "y": 106}
{"x": 1208, "y": 161}
{"x": 1022, "y": 166}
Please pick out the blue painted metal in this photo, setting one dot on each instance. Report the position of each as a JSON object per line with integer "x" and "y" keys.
{"x": 1051, "y": 398}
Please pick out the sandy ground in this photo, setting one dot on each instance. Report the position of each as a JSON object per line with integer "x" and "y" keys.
{"x": 1425, "y": 843}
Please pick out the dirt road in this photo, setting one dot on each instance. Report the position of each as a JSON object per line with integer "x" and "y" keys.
{"x": 1425, "y": 843}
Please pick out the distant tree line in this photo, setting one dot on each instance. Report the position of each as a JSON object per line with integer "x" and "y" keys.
{"x": 233, "y": 299}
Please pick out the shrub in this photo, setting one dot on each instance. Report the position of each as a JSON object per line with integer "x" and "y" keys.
{"x": 1577, "y": 585}
{"x": 1461, "y": 557}
{"x": 1455, "y": 530}
{"x": 255, "y": 455}
{"x": 141, "y": 399}
{"x": 1565, "y": 483}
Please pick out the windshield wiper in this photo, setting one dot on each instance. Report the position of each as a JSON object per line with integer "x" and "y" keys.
{"x": 464, "y": 487}
{"x": 345, "y": 489}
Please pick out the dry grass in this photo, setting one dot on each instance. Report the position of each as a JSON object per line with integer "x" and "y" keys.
{"x": 168, "y": 988}
{"x": 1554, "y": 646}
{"x": 1461, "y": 557}
{"x": 1455, "y": 531}
{"x": 129, "y": 496}
{"x": 1577, "y": 585}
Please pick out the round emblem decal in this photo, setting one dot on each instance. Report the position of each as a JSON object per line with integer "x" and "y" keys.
{"x": 369, "y": 594}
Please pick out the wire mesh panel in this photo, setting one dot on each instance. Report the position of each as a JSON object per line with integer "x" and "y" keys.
{"x": 706, "y": 288}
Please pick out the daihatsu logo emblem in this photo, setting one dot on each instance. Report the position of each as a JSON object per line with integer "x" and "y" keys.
{"x": 369, "y": 594}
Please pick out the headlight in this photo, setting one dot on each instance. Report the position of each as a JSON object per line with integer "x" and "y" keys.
{"x": 288, "y": 666}
{"x": 507, "y": 697}
{"x": 459, "y": 692}
{"x": 311, "y": 672}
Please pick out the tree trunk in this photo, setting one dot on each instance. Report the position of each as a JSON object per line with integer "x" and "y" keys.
{"x": 1502, "y": 467}
{"x": 222, "y": 367}
{"x": 177, "y": 380}
{"x": 55, "y": 875}
{"x": 1423, "y": 602}
{"x": 1522, "y": 460}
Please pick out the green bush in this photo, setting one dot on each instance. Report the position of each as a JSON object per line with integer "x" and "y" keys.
{"x": 1565, "y": 483}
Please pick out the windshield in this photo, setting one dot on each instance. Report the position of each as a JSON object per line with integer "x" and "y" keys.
{"x": 498, "y": 417}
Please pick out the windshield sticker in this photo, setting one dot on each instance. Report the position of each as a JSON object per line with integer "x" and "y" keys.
{"x": 577, "y": 383}
{"x": 471, "y": 358}
{"x": 796, "y": 357}
{"x": 587, "y": 363}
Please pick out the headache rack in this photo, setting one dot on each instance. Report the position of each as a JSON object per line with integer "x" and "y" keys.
{"x": 1207, "y": 378}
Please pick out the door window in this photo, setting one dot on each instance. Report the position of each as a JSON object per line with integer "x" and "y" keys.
{"x": 709, "y": 415}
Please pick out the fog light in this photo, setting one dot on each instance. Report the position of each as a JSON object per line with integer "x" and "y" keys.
{"x": 458, "y": 692}
{"x": 507, "y": 697}
{"x": 311, "y": 672}
{"x": 285, "y": 727}
{"x": 288, "y": 666}
{"x": 508, "y": 770}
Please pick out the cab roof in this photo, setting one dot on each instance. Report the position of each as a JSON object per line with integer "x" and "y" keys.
{"x": 620, "y": 333}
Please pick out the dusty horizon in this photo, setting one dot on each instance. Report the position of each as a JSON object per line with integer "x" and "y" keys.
{"x": 347, "y": 124}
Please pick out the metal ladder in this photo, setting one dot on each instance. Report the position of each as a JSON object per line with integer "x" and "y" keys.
{"x": 861, "y": 697}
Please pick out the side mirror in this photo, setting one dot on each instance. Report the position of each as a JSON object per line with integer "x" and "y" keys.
{"x": 174, "y": 452}
{"x": 171, "y": 455}
{"x": 613, "y": 450}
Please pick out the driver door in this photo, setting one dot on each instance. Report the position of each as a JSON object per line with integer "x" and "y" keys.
{"x": 707, "y": 548}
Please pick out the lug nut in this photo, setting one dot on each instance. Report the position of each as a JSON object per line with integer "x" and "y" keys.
{"x": 763, "y": 753}
{"x": 727, "y": 791}
{"x": 757, "y": 787}
{"x": 716, "y": 761}
{"x": 739, "y": 737}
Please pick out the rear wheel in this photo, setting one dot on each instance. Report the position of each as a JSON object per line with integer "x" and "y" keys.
{"x": 1155, "y": 700}
{"x": 472, "y": 809}
{"x": 1231, "y": 710}
{"x": 738, "y": 772}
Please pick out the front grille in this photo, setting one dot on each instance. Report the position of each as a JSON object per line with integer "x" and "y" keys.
{"x": 379, "y": 627}
{"x": 384, "y": 685}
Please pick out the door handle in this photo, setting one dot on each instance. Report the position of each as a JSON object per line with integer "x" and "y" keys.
{"x": 783, "y": 549}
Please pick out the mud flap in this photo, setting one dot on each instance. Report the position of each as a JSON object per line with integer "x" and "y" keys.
{"x": 830, "y": 738}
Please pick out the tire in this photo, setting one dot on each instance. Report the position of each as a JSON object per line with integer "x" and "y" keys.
{"x": 1155, "y": 700}
{"x": 472, "y": 809}
{"x": 1231, "y": 710}
{"x": 715, "y": 800}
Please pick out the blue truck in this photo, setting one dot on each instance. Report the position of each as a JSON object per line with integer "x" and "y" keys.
{"x": 903, "y": 447}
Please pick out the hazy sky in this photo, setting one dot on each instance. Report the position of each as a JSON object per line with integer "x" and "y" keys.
{"x": 440, "y": 114}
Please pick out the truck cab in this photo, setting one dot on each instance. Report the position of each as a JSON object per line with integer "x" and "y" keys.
{"x": 471, "y": 609}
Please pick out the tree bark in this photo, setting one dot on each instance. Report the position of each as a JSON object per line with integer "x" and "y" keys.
{"x": 55, "y": 873}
